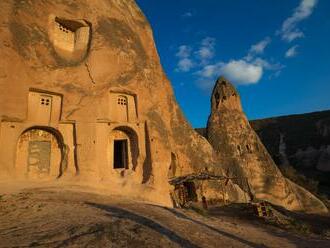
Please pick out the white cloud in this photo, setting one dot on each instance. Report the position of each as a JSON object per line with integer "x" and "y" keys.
{"x": 268, "y": 65}
{"x": 206, "y": 50}
{"x": 249, "y": 69}
{"x": 205, "y": 53}
{"x": 242, "y": 72}
{"x": 291, "y": 52}
{"x": 257, "y": 49}
{"x": 185, "y": 65}
{"x": 245, "y": 71}
{"x": 289, "y": 30}
{"x": 260, "y": 46}
{"x": 208, "y": 42}
{"x": 183, "y": 52}
{"x": 210, "y": 71}
{"x": 239, "y": 72}
{"x": 202, "y": 56}
{"x": 187, "y": 15}
{"x": 292, "y": 35}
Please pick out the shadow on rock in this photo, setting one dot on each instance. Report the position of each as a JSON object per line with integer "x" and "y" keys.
{"x": 125, "y": 214}
{"x": 221, "y": 232}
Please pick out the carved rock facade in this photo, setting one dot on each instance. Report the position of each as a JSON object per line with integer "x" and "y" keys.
{"x": 84, "y": 100}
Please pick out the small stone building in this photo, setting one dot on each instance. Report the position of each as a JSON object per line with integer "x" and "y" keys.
{"x": 43, "y": 146}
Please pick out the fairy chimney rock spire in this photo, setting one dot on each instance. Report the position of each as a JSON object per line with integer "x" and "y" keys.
{"x": 225, "y": 96}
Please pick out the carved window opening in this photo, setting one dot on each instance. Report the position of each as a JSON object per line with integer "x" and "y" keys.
{"x": 62, "y": 28}
{"x": 71, "y": 38}
{"x": 122, "y": 100}
{"x": 46, "y": 101}
{"x": 239, "y": 149}
{"x": 248, "y": 147}
{"x": 120, "y": 154}
{"x": 122, "y": 107}
{"x": 67, "y": 26}
{"x": 43, "y": 107}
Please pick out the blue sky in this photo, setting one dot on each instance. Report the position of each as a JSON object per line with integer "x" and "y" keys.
{"x": 276, "y": 52}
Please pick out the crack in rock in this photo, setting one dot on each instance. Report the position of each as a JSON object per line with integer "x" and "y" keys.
{"x": 89, "y": 73}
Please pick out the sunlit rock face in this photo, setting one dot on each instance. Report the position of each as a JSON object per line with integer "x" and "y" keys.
{"x": 244, "y": 156}
{"x": 84, "y": 99}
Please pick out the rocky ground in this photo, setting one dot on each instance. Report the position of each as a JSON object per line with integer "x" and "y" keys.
{"x": 57, "y": 216}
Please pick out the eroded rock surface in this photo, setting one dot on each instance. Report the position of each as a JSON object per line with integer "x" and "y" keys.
{"x": 84, "y": 100}
{"x": 302, "y": 141}
{"x": 243, "y": 154}
{"x": 87, "y": 74}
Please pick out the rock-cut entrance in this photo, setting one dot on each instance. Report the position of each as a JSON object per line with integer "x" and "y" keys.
{"x": 39, "y": 154}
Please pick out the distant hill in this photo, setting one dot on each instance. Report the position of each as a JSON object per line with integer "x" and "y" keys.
{"x": 302, "y": 141}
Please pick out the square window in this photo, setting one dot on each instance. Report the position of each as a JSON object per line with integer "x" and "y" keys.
{"x": 45, "y": 101}
{"x": 121, "y": 101}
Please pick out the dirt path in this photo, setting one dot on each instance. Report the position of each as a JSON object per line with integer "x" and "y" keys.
{"x": 64, "y": 218}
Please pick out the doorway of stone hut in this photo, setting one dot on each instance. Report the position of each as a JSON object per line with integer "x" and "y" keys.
{"x": 120, "y": 154}
{"x": 185, "y": 193}
{"x": 190, "y": 191}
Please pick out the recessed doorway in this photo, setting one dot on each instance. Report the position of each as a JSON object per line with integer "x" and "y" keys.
{"x": 120, "y": 154}
{"x": 39, "y": 153}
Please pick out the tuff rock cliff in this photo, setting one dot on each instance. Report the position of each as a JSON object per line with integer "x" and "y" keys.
{"x": 301, "y": 141}
{"x": 242, "y": 153}
{"x": 80, "y": 52}
{"x": 68, "y": 72}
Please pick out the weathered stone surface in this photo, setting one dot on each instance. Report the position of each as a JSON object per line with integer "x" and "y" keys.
{"x": 302, "y": 141}
{"x": 243, "y": 154}
{"x": 49, "y": 58}
{"x": 87, "y": 74}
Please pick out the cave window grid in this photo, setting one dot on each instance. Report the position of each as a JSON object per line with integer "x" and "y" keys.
{"x": 62, "y": 28}
{"x": 68, "y": 26}
{"x": 122, "y": 101}
{"x": 45, "y": 101}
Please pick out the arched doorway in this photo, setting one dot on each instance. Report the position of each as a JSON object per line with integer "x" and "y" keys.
{"x": 124, "y": 148}
{"x": 40, "y": 154}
